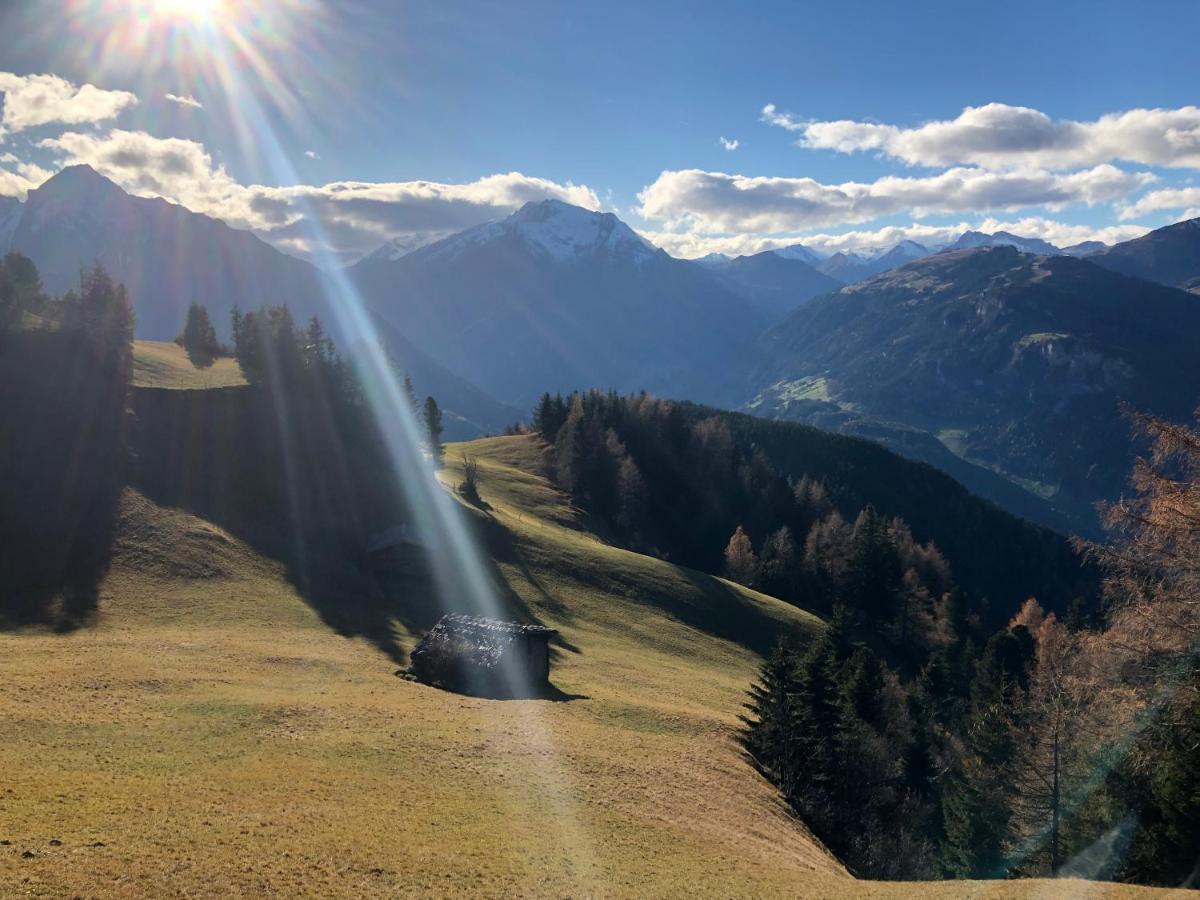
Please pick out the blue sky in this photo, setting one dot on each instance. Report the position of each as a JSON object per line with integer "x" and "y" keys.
{"x": 595, "y": 103}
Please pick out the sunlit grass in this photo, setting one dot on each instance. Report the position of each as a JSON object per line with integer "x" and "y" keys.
{"x": 163, "y": 364}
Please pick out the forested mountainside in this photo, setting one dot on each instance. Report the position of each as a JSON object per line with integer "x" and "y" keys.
{"x": 678, "y": 480}
{"x": 1014, "y": 362}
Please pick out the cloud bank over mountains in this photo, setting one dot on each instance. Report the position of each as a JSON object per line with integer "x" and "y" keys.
{"x": 991, "y": 160}
{"x": 717, "y": 202}
{"x": 997, "y": 136}
{"x": 350, "y": 217}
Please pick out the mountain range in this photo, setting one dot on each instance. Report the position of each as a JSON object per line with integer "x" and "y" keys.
{"x": 557, "y": 298}
{"x": 169, "y": 257}
{"x": 1002, "y": 360}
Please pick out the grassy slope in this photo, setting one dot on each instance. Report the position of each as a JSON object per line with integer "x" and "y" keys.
{"x": 211, "y": 736}
{"x": 163, "y": 364}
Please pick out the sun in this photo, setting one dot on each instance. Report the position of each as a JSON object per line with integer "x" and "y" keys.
{"x": 188, "y": 11}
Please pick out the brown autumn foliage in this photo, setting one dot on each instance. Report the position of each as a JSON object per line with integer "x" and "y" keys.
{"x": 1152, "y": 563}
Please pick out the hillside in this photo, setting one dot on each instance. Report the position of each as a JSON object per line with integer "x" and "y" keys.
{"x": 205, "y": 660}
{"x": 1015, "y": 363}
{"x": 212, "y": 733}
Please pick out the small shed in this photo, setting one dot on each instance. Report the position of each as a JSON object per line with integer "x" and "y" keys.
{"x": 484, "y": 656}
{"x": 393, "y": 547}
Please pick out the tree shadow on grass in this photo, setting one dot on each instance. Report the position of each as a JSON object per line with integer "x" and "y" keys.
{"x": 62, "y": 454}
{"x": 725, "y": 613}
{"x": 282, "y": 477}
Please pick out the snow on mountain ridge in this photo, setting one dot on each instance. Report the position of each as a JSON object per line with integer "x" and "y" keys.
{"x": 556, "y": 229}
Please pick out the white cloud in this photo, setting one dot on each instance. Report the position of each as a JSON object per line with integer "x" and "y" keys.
{"x": 352, "y": 217}
{"x": 1167, "y": 198}
{"x": 18, "y": 178}
{"x": 695, "y": 200}
{"x": 184, "y": 100}
{"x": 312, "y": 154}
{"x": 33, "y": 100}
{"x": 729, "y": 144}
{"x": 691, "y": 245}
{"x": 1000, "y": 136}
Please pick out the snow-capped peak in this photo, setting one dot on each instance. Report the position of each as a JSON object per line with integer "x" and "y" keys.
{"x": 972, "y": 239}
{"x": 566, "y": 232}
{"x": 405, "y": 244}
{"x": 800, "y": 252}
{"x": 558, "y": 230}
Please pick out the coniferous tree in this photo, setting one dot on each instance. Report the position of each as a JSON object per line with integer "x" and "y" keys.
{"x": 433, "y": 431}
{"x": 101, "y": 311}
{"x": 199, "y": 338}
{"x": 776, "y": 724}
{"x": 410, "y": 394}
{"x": 873, "y": 571}
{"x": 549, "y": 416}
{"x": 779, "y": 566}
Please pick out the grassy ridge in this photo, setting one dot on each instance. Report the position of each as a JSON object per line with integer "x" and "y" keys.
{"x": 164, "y": 364}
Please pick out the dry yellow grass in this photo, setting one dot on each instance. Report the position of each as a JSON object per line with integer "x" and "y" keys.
{"x": 163, "y": 364}
{"x": 210, "y": 736}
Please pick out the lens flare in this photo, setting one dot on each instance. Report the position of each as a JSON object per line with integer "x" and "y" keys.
{"x": 194, "y": 11}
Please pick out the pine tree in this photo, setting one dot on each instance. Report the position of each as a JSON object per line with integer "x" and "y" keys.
{"x": 779, "y": 568}
{"x": 199, "y": 338}
{"x": 410, "y": 394}
{"x": 873, "y": 572}
{"x": 102, "y": 313}
{"x": 433, "y": 429}
{"x": 774, "y": 724}
{"x": 547, "y": 419}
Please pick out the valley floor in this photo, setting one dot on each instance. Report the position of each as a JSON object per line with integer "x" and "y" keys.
{"x": 209, "y": 735}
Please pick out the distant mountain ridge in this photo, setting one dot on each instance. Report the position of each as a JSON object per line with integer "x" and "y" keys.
{"x": 557, "y": 297}
{"x": 772, "y": 283}
{"x": 1169, "y": 255}
{"x": 970, "y": 240}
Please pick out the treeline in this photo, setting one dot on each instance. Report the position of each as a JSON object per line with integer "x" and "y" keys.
{"x": 65, "y": 366}
{"x": 678, "y": 480}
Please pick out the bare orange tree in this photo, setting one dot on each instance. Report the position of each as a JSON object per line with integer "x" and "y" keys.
{"x": 1152, "y": 563}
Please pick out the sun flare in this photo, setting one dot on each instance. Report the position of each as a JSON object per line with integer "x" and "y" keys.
{"x": 195, "y": 11}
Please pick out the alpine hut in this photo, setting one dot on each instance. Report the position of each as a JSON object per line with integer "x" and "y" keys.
{"x": 484, "y": 656}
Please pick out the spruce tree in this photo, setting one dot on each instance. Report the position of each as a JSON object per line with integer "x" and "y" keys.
{"x": 873, "y": 574}
{"x": 433, "y": 430}
{"x": 199, "y": 338}
{"x": 410, "y": 394}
